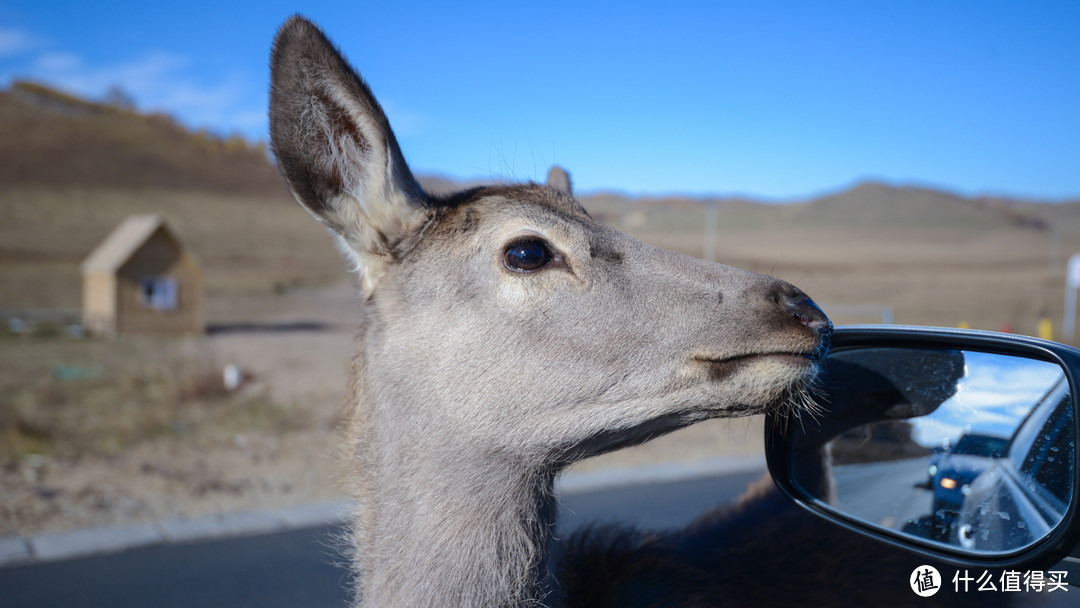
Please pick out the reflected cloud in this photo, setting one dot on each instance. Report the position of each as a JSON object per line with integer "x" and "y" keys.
{"x": 992, "y": 398}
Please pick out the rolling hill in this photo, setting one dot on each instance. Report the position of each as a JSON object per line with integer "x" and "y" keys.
{"x": 71, "y": 169}
{"x": 53, "y": 139}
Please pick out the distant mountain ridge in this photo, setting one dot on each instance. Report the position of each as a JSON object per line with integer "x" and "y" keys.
{"x": 875, "y": 203}
{"x": 52, "y": 138}
{"x": 55, "y": 139}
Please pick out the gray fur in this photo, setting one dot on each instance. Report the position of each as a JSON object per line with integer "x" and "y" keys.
{"x": 476, "y": 385}
{"x": 559, "y": 179}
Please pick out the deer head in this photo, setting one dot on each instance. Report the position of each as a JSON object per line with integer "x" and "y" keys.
{"x": 504, "y": 332}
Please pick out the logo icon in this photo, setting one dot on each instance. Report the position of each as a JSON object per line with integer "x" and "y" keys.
{"x": 925, "y": 581}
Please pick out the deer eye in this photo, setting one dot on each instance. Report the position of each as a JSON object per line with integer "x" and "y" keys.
{"x": 527, "y": 256}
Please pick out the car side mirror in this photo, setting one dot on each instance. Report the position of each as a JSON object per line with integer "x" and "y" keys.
{"x": 957, "y": 445}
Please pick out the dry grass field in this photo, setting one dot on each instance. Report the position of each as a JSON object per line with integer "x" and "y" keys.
{"x": 95, "y": 432}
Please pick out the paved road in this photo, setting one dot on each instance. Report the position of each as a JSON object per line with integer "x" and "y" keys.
{"x": 888, "y": 494}
{"x": 297, "y": 568}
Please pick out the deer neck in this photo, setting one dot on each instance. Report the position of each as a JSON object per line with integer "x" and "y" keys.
{"x": 451, "y": 531}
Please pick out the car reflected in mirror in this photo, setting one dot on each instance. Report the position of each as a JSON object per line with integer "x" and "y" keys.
{"x": 961, "y": 443}
{"x": 1024, "y": 493}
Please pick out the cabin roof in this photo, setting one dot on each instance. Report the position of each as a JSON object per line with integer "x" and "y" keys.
{"x": 123, "y": 242}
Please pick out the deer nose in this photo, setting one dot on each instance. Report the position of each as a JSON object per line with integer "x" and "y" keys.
{"x": 796, "y": 303}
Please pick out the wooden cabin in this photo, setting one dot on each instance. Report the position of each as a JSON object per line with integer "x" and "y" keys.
{"x": 142, "y": 280}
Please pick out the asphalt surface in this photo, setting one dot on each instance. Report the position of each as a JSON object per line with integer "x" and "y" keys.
{"x": 888, "y": 494}
{"x": 298, "y": 567}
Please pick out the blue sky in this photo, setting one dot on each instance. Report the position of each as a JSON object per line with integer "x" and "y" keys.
{"x": 779, "y": 100}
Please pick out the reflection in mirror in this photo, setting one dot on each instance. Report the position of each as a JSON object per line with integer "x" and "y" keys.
{"x": 969, "y": 449}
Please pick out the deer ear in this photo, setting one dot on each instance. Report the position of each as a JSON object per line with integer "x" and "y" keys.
{"x": 337, "y": 154}
{"x": 559, "y": 179}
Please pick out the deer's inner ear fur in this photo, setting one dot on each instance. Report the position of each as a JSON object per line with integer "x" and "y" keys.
{"x": 337, "y": 153}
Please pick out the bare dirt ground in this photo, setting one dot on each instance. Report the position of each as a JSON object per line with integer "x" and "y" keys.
{"x": 98, "y": 433}
{"x": 296, "y": 356}
{"x": 268, "y": 444}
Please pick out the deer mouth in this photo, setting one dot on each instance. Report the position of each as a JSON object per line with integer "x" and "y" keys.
{"x": 720, "y": 369}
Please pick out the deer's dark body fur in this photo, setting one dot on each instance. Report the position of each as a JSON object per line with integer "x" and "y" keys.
{"x": 762, "y": 551}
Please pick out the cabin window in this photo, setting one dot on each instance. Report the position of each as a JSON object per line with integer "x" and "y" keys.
{"x": 158, "y": 293}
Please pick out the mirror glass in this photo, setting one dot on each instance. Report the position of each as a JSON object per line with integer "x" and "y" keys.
{"x": 968, "y": 449}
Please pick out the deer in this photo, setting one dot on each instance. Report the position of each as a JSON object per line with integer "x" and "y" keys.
{"x": 503, "y": 335}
